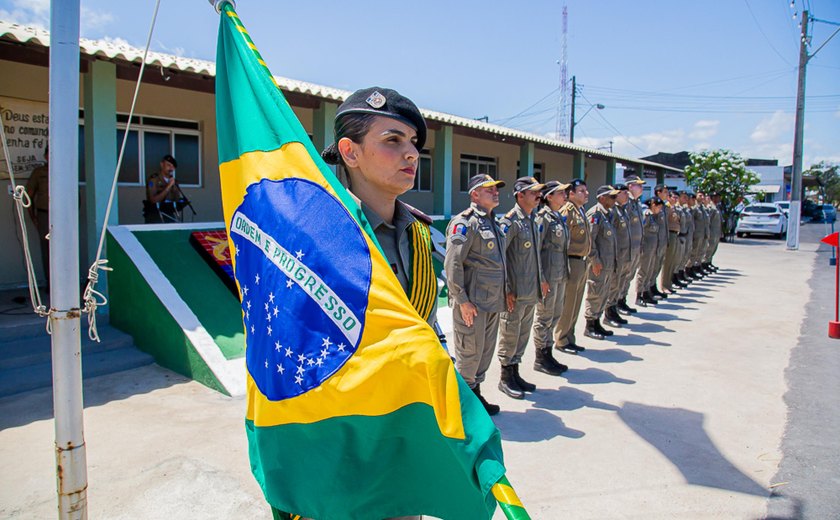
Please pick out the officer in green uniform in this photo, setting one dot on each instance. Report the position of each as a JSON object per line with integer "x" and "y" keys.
{"x": 524, "y": 284}
{"x": 660, "y": 191}
{"x": 38, "y": 189}
{"x": 688, "y": 202}
{"x": 651, "y": 239}
{"x": 672, "y": 218}
{"x": 475, "y": 277}
{"x": 633, "y": 209}
{"x": 679, "y": 268}
{"x": 716, "y": 227}
{"x": 162, "y": 193}
{"x": 620, "y": 221}
{"x": 580, "y": 245}
{"x": 699, "y": 240}
{"x": 554, "y": 260}
{"x": 603, "y": 257}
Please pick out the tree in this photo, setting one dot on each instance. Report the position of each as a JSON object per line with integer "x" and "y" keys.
{"x": 828, "y": 181}
{"x": 724, "y": 173}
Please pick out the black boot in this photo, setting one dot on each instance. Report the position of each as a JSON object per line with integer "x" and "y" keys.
{"x": 681, "y": 276}
{"x": 641, "y": 301}
{"x": 491, "y": 409}
{"x": 546, "y": 363}
{"x": 649, "y": 299}
{"x": 609, "y": 318}
{"x": 675, "y": 280}
{"x": 592, "y": 331}
{"x": 508, "y": 383}
{"x": 622, "y": 306}
{"x": 654, "y": 290}
{"x": 606, "y": 333}
{"x": 616, "y": 316}
{"x": 524, "y": 385}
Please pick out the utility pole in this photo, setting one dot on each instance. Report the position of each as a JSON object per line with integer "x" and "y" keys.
{"x": 572, "y": 120}
{"x": 796, "y": 175}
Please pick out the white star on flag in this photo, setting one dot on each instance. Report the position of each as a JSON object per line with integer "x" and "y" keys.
{"x": 288, "y": 352}
{"x": 266, "y": 363}
{"x": 248, "y": 304}
{"x": 298, "y": 379}
{"x": 289, "y": 283}
{"x": 319, "y": 362}
{"x": 268, "y": 317}
{"x": 325, "y": 342}
{"x": 280, "y": 369}
{"x": 324, "y": 353}
{"x": 300, "y": 369}
{"x": 245, "y": 290}
{"x": 237, "y": 250}
{"x": 266, "y": 307}
{"x": 269, "y": 330}
{"x": 341, "y": 347}
{"x": 299, "y": 254}
{"x": 277, "y": 346}
{"x": 270, "y": 298}
{"x": 257, "y": 279}
{"x": 310, "y": 361}
{"x": 301, "y": 358}
{"x": 276, "y": 311}
{"x": 252, "y": 329}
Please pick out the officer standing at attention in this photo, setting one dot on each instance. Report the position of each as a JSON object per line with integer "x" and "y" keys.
{"x": 603, "y": 258}
{"x": 676, "y": 281}
{"x": 619, "y": 220}
{"x": 378, "y": 137}
{"x": 475, "y": 278}
{"x": 699, "y": 239}
{"x": 633, "y": 208}
{"x": 685, "y": 202}
{"x": 715, "y": 226}
{"x": 554, "y": 246}
{"x": 672, "y": 217}
{"x": 524, "y": 284}
{"x": 660, "y": 191}
{"x": 580, "y": 245}
{"x": 650, "y": 221}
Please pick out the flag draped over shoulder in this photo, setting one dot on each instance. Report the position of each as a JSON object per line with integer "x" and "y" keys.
{"x": 354, "y": 409}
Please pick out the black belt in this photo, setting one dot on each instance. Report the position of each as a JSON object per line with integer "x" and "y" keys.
{"x": 674, "y": 232}
{"x": 683, "y": 234}
{"x": 577, "y": 257}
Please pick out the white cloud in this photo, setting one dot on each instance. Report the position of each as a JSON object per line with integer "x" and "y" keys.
{"x": 36, "y": 13}
{"x": 119, "y": 42}
{"x": 770, "y": 128}
{"x": 704, "y": 129}
{"x": 92, "y": 20}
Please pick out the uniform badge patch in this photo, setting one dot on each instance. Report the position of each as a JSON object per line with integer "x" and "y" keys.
{"x": 594, "y": 218}
{"x": 527, "y": 244}
{"x": 490, "y": 245}
{"x": 376, "y": 100}
{"x": 459, "y": 229}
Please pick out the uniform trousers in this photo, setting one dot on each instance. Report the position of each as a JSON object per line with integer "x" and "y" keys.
{"x": 564, "y": 331}
{"x": 514, "y": 331}
{"x": 645, "y": 273}
{"x": 689, "y": 247}
{"x": 474, "y": 346}
{"x": 679, "y": 262}
{"x": 670, "y": 261}
{"x": 597, "y": 292}
{"x": 697, "y": 252}
{"x": 714, "y": 241}
{"x": 619, "y": 281}
{"x": 548, "y": 314}
{"x": 659, "y": 265}
{"x": 634, "y": 268}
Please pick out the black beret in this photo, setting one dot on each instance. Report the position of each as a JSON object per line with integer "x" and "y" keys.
{"x": 655, "y": 201}
{"x": 620, "y": 187}
{"x": 552, "y": 186}
{"x": 380, "y": 102}
{"x": 168, "y": 158}
{"x": 574, "y": 183}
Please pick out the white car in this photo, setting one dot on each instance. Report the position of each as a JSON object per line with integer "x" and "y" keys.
{"x": 762, "y": 217}
{"x": 784, "y": 206}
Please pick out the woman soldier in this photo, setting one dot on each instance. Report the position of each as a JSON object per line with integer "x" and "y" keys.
{"x": 554, "y": 245}
{"x": 378, "y": 137}
{"x": 649, "y": 242}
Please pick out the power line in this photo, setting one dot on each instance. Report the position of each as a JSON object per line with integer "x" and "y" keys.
{"x": 598, "y": 112}
{"x": 505, "y": 120}
{"x": 757, "y": 24}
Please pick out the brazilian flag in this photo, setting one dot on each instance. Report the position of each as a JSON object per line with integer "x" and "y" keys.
{"x": 354, "y": 409}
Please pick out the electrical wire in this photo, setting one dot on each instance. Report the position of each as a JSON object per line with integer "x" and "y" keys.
{"x": 758, "y": 24}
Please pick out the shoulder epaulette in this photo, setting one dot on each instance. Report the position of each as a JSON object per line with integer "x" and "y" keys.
{"x": 419, "y": 215}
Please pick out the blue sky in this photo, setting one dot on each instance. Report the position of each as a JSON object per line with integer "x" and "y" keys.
{"x": 673, "y": 75}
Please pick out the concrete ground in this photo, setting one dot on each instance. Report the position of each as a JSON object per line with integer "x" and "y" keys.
{"x": 681, "y": 415}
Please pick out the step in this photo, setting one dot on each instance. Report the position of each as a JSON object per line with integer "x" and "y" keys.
{"x": 31, "y": 377}
{"x": 25, "y": 326}
{"x": 36, "y": 350}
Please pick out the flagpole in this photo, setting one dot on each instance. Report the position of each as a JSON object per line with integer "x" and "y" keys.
{"x": 508, "y": 500}
{"x": 64, "y": 317}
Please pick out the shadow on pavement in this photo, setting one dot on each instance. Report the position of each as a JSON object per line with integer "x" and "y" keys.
{"x": 674, "y": 307}
{"x": 593, "y": 376}
{"x": 36, "y": 405}
{"x": 567, "y": 398}
{"x": 636, "y": 340}
{"x": 610, "y": 355}
{"x": 659, "y": 316}
{"x": 533, "y": 425}
{"x": 679, "y": 435}
{"x": 792, "y": 507}
{"x": 648, "y": 326}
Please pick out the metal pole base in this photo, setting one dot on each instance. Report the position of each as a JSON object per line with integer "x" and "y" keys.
{"x": 834, "y": 329}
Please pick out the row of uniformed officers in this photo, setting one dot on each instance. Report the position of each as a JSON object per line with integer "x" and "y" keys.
{"x": 528, "y": 270}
